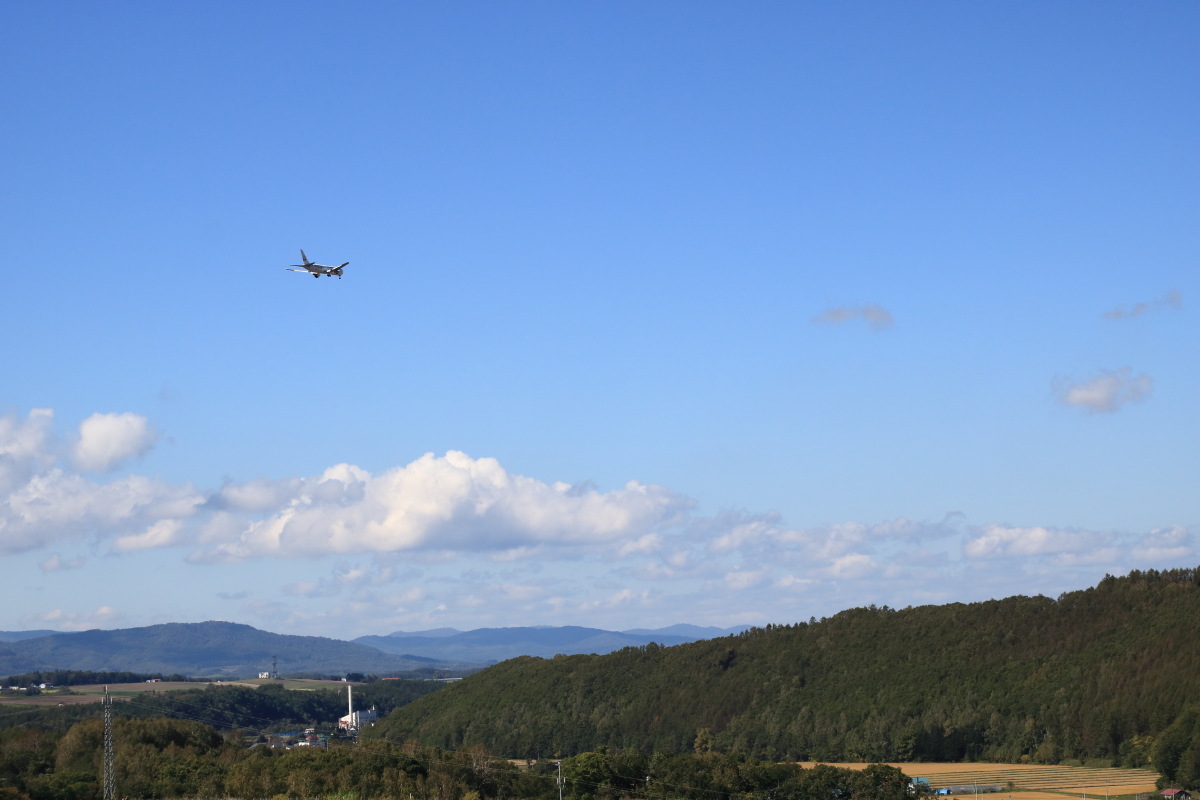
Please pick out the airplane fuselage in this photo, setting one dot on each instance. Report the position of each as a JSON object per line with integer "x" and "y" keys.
{"x": 315, "y": 269}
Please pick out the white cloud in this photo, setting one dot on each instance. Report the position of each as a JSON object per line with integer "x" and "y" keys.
{"x": 163, "y": 533}
{"x": 854, "y": 566}
{"x": 25, "y": 447}
{"x": 54, "y": 505}
{"x": 108, "y": 440}
{"x": 1001, "y": 541}
{"x": 650, "y": 543}
{"x": 1166, "y": 545}
{"x": 1106, "y": 392}
{"x": 455, "y": 538}
{"x": 1172, "y": 299}
{"x": 877, "y": 317}
{"x": 448, "y": 503}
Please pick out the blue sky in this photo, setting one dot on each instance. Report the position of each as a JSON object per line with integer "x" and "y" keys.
{"x": 656, "y": 312}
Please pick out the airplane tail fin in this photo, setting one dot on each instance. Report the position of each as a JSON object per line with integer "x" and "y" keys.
{"x": 304, "y": 258}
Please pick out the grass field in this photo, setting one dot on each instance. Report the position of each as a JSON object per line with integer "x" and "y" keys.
{"x": 1034, "y": 781}
{"x": 93, "y": 693}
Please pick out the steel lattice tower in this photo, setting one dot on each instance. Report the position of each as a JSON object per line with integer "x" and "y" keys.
{"x": 110, "y": 781}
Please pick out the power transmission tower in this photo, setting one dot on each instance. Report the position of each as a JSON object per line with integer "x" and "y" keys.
{"x": 110, "y": 780}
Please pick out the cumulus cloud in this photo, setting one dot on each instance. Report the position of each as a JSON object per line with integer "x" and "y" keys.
{"x": 25, "y": 447}
{"x": 42, "y": 502}
{"x": 877, "y": 317}
{"x": 434, "y": 505}
{"x": 447, "y": 503}
{"x": 108, "y": 440}
{"x": 1106, "y": 392}
{"x": 55, "y": 505}
{"x": 453, "y": 537}
{"x": 1171, "y": 299}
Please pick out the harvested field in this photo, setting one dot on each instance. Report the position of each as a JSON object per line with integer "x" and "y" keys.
{"x": 1034, "y": 781}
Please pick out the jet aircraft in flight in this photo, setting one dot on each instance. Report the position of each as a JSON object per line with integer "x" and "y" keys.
{"x": 316, "y": 270}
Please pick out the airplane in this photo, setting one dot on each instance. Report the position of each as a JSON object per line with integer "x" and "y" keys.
{"x": 317, "y": 270}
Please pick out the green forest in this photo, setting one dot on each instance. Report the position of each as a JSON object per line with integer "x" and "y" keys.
{"x": 1093, "y": 676}
{"x": 167, "y": 758}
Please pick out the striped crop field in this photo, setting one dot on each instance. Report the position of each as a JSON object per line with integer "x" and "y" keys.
{"x": 1034, "y": 781}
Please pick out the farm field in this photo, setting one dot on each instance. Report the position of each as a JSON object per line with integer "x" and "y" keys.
{"x": 94, "y": 693}
{"x": 1033, "y": 781}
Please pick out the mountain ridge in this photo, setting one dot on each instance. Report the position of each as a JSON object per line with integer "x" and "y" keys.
{"x": 492, "y": 645}
{"x": 230, "y": 649}
{"x": 200, "y": 649}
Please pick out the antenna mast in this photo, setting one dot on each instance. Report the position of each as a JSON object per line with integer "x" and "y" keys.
{"x": 110, "y": 780}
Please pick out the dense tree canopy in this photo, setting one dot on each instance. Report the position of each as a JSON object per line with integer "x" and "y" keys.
{"x": 164, "y": 758}
{"x": 1094, "y": 674}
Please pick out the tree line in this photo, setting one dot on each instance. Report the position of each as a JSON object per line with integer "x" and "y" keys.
{"x": 166, "y": 758}
{"x": 266, "y": 708}
{"x": 76, "y": 677}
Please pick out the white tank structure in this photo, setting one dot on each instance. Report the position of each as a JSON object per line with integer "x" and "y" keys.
{"x": 355, "y": 720}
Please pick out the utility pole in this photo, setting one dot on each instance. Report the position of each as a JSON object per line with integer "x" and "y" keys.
{"x": 110, "y": 779}
{"x": 559, "y": 781}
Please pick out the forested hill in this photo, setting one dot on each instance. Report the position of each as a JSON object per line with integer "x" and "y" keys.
{"x": 216, "y": 649}
{"x": 1095, "y": 673}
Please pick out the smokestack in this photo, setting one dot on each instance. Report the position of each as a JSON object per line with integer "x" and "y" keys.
{"x": 350, "y": 701}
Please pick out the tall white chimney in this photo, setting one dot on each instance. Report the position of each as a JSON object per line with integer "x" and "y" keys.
{"x": 350, "y": 702}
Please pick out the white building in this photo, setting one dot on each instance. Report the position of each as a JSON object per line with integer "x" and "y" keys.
{"x": 355, "y": 720}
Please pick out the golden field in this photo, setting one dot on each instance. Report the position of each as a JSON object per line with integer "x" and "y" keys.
{"x": 1032, "y": 781}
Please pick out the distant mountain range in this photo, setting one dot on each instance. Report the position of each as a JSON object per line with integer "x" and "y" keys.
{"x": 17, "y": 636}
{"x": 230, "y": 650}
{"x": 491, "y": 645}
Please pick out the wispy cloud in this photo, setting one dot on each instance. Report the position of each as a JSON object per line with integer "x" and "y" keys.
{"x": 878, "y": 317}
{"x": 1003, "y": 541}
{"x": 57, "y": 619}
{"x": 1106, "y": 392}
{"x": 1171, "y": 299}
{"x": 56, "y": 562}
